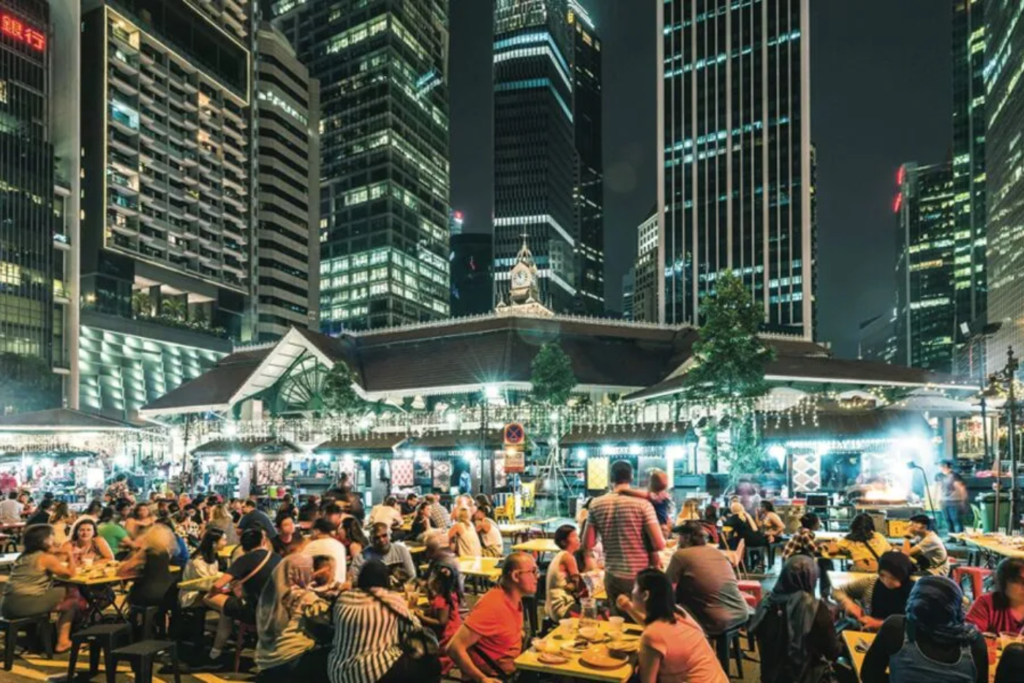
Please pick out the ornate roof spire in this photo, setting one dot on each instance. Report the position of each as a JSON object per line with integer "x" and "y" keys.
{"x": 525, "y": 255}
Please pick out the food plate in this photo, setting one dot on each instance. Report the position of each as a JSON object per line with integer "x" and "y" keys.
{"x": 600, "y": 658}
{"x": 620, "y": 648}
{"x": 576, "y": 647}
{"x": 552, "y": 658}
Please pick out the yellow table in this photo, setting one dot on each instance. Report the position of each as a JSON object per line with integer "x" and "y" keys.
{"x": 537, "y": 545}
{"x": 994, "y": 544}
{"x": 416, "y": 548}
{"x": 851, "y": 638}
{"x": 485, "y": 567}
{"x": 514, "y": 528}
{"x": 225, "y": 552}
{"x": 203, "y": 583}
{"x": 573, "y": 669}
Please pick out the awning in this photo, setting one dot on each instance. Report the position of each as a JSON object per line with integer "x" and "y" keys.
{"x": 246, "y": 447}
{"x": 361, "y": 443}
{"x": 455, "y": 441}
{"x": 846, "y": 426}
{"x": 653, "y": 433}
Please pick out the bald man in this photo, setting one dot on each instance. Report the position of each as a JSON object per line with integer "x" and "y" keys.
{"x": 495, "y": 625}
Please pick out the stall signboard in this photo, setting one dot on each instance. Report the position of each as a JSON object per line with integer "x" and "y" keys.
{"x": 515, "y": 460}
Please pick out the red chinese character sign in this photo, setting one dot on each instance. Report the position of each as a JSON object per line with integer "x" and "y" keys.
{"x": 515, "y": 441}
{"x": 15, "y": 28}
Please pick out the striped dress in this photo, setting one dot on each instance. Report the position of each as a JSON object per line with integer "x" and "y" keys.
{"x": 367, "y": 635}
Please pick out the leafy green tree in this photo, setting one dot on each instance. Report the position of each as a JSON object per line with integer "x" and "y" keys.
{"x": 729, "y": 357}
{"x": 729, "y": 368}
{"x": 142, "y": 304}
{"x": 551, "y": 376}
{"x": 338, "y": 392}
{"x": 175, "y": 308}
{"x": 27, "y": 383}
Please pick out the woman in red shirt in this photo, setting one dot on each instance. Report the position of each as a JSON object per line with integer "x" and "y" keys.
{"x": 1002, "y": 609}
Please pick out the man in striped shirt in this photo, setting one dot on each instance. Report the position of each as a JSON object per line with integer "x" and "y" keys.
{"x": 629, "y": 531}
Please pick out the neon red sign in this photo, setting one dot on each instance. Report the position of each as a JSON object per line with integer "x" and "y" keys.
{"x": 15, "y": 28}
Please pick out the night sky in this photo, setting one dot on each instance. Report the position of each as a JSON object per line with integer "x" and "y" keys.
{"x": 881, "y": 95}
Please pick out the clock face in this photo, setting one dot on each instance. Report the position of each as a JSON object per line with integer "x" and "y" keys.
{"x": 520, "y": 278}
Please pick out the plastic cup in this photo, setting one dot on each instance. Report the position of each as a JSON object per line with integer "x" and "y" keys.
{"x": 615, "y": 625}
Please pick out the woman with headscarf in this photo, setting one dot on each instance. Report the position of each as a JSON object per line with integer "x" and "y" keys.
{"x": 874, "y": 598}
{"x": 931, "y": 643}
{"x": 794, "y": 630}
{"x": 285, "y": 647}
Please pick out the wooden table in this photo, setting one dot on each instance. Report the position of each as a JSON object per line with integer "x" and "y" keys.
{"x": 537, "y": 546}
{"x": 415, "y": 548}
{"x": 573, "y": 669}
{"x": 8, "y": 559}
{"x": 96, "y": 599}
{"x": 989, "y": 543}
{"x": 484, "y": 567}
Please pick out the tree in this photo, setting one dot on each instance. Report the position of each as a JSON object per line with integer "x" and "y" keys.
{"x": 729, "y": 357}
{"x": 729, "y": 367}
{"x": 141, "y": 303}
{"x": 338, "y": 393}
{"x": 551, "y": 375}
{"x": 27, "y": 383}
{"x": 175, "y": 308}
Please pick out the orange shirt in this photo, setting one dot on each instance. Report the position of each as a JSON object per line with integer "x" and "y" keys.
{"x": 499, "y": 623}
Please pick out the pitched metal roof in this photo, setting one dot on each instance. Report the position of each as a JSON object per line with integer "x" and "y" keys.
{"x": 247, "y": 447}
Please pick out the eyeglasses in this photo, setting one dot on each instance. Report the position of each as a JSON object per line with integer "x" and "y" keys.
{"x": 533, "y": 572}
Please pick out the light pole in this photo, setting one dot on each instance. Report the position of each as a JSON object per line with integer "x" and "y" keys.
{"x": 1011, "y": 403}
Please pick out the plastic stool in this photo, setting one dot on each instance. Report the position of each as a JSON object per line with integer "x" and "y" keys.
{"x": 141, "y": 657}
{"x": 104, "y": 637}
{"x": 724, "y": 642}
{"x": 977, "y": 575}
{"x": 143, "y": 618}
{"x": 751, "y": 588}
{"x": 11, "y": 629}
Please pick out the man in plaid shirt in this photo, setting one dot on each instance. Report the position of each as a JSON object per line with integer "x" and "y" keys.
{"x": 802, "y": 543}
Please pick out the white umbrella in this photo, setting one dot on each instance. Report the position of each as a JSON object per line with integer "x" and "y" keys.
{"x": 935, "y": 404}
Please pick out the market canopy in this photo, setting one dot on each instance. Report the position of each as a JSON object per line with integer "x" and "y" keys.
{"x": 63, "y": 420}
{"x": 247, "y": 447}
{"x": 646, "y": 433}
{"x": 847, "y": 426}
{"x": 361, "y": 443}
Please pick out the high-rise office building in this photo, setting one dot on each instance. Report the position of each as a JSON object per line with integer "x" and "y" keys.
{"x": 587, "y": 122}
{"x": 456, "y": 220}
{"x": 38, "y": 176}
{"x": 166, "y": 233}
{"x": 925, "y": 292}
{"x": 628, "y": 290}
{"x": 645, "y": 270}
{"x": 969, "y": 50}
{"x": 877, "y": 338}
{"x": 286, "y": 267}
{"x": 1004, "y": 106}
{"x": 736, "y": 174}
{"x": 384, "y": 191}
{"x": 548, "y": 173}
{"x": 472, "y": 291}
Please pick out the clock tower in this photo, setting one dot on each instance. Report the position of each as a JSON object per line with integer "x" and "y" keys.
{"x": 524, "y": 287}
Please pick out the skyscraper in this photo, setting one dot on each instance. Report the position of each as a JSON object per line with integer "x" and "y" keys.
{"x": 587, "y": 122}
{"x": 38, "y": 175}
{"x": 384, "y": 190}
{"x": 925, "y": 291}
{"x": 472, "y": 291}
{"x": 548, "y": 172}
{"x": 1004, "y": 103}
{"x": 969, "y": 49}
{"x": 286, "y": 268}
{"x": 166, "y": 233}
{"x": 645, "y": 284}
{"x": 736, "y": 175}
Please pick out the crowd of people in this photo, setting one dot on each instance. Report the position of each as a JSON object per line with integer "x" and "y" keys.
{"x": 327, "y": 587}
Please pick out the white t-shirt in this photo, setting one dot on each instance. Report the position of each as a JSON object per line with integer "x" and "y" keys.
{"x": 492, "y": 538}
{"x": 467, "y": 543}
{"x": 10, "y": 511}
{"x": 385, "y": 514}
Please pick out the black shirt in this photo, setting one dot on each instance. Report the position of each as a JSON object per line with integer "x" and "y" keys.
{"x": 245, "y": 565}
{"x": 889, "y": 641}
{"x": 40, "y": 517}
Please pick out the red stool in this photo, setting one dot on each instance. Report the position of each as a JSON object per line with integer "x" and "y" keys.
{"x": 977, "y": 575}
{"x": 750, "y": 589}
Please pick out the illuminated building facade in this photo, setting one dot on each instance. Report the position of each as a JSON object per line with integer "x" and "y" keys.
{"x": 876, "y": 338}
{"x": 548, "y": 169}
{"x": 166, "y": 186}
{"x": 1004, "y": 172}
{"x": 286, "y": 264}
{"x": 38, "y": 178}
{"x": 645, "y": 285}
{"x": 925, "y": 292}
{"x": 384, "y": 191}
{"x": 969, "y": 50}
{"x": 736, "y": 173}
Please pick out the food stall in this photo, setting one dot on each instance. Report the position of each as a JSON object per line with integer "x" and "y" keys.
{"x": 369, "y": 459}
{"x": 238, "y": 468}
